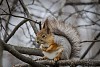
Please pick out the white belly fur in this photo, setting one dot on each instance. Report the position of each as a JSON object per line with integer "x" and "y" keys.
{"x": 53, "y": 54}
{"x": 50, "y": 55}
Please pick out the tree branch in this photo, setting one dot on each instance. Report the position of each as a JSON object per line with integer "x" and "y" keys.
{"x": 70, "y": 62}
{"x": 82, "y": 3}
{"x": 22, "y": 65}
{"x": 27, "y": 50}
{"x": 15, "y": 29}
{"x": 18, "y": 55}
{"x": 8, "y": 6}
{"x": 29, "y": 16}
{"x": 95, "y": 54}
{"x": 1, "y": 54}
{"x": 90, "y": 41}
{"x": 67, "y": 63}
{"x": 1, "y": 2}
{"x": 91, "y": 12}
{"x": 90, "y": 46}
{"x": 24, "y": 50}
{"x": 21, "y": 17}
{"x": 8, "y": 19}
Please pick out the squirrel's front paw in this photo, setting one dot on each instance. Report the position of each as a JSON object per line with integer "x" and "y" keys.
{"x": 47, "y": 50}
{"x": 43, "y": 58}
{"x": 43, "y": 49}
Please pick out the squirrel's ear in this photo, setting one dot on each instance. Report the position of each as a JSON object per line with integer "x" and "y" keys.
{"x": 45, "y": 26}
{"x": 45, "y": 23}
{"x": 47, "y": 30}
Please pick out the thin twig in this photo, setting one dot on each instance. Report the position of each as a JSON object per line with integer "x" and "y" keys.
{"x": 81, "y": 3}
{"x": 3, "y": 10}
{"x": 29, "y": 16}
{"x": 91, "y": 12}
{"x": 21, "y": 17}
{"x": 46, "y": 8}
{"x": 28, "y": 50}
{"x": 92, "y": 20}
{"x": 4, "y": 29}
{"x": 71, "y": 15}
{"x": 90, "y": 41}
{"x": 10, "y": 11}
{"x": 95, "y": 54}
{"x": 15, "y": 29}
{"x": 1, "y": 2}
{"x": 20, "y": 27}
{"x": 90, "y": 46}
{"x": 8, "y": 6}
{"x": 28, "y": 32}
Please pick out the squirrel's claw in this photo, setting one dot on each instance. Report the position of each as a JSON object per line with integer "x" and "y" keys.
{"x": 56, "y": 58}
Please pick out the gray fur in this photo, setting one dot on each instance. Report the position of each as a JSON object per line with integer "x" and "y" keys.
{"x": 66, "y": 46}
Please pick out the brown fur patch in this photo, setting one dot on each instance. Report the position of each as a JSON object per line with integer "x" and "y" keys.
{"x": 52, "y": 47}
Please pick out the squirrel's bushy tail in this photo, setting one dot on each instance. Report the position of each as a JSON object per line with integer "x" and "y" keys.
{"x": 69, "y": 32}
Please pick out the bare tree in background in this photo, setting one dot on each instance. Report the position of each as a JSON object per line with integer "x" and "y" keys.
{"x": 20, "y": 21}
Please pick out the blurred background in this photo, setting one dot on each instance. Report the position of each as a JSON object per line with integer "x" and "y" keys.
{"x": 85, "y": 18}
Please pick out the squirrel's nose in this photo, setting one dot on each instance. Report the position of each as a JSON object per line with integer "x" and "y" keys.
{"x": 37, "y": 41}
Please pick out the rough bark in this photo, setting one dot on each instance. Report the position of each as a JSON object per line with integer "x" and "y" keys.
{"x": 1, "y": 53}
{"x": 27, "y": 50}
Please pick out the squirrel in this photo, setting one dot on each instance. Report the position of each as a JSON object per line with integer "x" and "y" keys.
{"x": 54, "y": 37}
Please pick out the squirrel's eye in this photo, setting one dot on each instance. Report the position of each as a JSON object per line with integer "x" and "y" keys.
{"x": 43, "y": 36}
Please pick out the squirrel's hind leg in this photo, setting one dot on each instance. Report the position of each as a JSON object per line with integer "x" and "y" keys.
{"x": 58, "y": 57}
{"x": 59, "y": 54}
